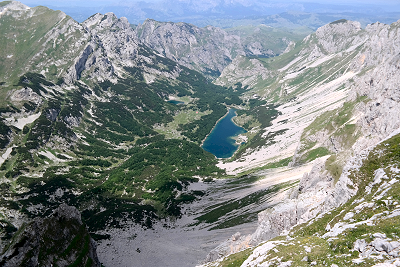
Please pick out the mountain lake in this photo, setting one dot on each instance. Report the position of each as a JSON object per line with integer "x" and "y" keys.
{"x": 220, "y": 141}
{"x": 176, "y": 102}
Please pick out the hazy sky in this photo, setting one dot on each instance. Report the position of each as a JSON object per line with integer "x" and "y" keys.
{"x": 195, "y": 10}
{"x": 118, "y": 2}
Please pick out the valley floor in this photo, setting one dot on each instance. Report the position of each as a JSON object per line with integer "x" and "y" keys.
{"x": 186, "y": 242}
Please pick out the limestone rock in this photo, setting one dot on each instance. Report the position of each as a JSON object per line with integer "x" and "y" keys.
{"x": 208, "y": 50}
{"x": 360, "y": 245}
{"x": 60, "y": 239}
{"x": 331, "y": 36}
{"x": 236, "y": 243}
{"x": 26, "y": 94}
{"x": 244, "y": 70}
{"x": 52, "y": 114}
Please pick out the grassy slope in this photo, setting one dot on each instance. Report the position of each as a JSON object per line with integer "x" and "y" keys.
{"x": 269, "y": 38}
{"x": 19, "y": 43}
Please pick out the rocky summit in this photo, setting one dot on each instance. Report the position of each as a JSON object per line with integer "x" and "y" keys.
{"x": 101, "y": 132}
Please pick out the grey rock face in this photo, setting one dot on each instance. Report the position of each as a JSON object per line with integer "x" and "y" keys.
{"x": 52, "y": 114}
{"x": 234, "y": 73}
{"x": 26, "y": 94}
{"x": 297, "y": 208}
{"x": 60, "y": 239}
{"x": 314, "y": 178}
{"x": 72, "y": 121}
{"x": 360, "y": 245}
{"x": 208, "y": 50}
{"x": 80, "y": 64}
{"x": 331, "y": 35}
{"x": 65, "y": 212}
{"x": 272, "y": 222}
{"x": 380, "y": 245}
{"x": 236, "y": 243}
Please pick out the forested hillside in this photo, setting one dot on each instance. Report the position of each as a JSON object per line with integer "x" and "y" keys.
{"x": 92, "y": 131}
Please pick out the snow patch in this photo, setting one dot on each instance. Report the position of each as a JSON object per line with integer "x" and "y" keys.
{"x": 21, "y": 122}
{"x": 321, "y": 60}
{"x": 6, "y": 155}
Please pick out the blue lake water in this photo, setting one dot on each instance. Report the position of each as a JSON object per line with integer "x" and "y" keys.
{"x": 220, "y": 142}
{"x": 176, "y": 102}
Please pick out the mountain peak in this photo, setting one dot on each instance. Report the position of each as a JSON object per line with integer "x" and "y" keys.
{"x": 13, "y": 5}
{"x": 341, "y": 27}
{"x": 336, "y": 35}
{"x": 107, "y": 20}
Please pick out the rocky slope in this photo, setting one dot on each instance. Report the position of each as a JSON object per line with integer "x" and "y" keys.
{"x": 318, "y": 74}
{"x": 342, "y": 211}
{"x": 61, "y": 239}
{"x": 210, "y": 49}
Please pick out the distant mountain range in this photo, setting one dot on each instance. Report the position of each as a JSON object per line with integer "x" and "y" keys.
{"x": 233, "y": 13}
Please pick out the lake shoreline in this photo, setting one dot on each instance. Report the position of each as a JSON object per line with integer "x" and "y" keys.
{"x": 205, "y": 138}
{"x": 220, "y": 143}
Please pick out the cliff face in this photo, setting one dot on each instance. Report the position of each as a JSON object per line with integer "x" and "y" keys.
{"x": 61, "y": 239}
{"x": 209, "y": 49}
{"x": 206, "y": 49}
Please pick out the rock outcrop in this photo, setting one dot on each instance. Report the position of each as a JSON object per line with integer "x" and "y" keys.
{"x": 61, "y": 239}
{"x": 381, "y": 245}
{"x": 244, "y": 70}
{"x": 236, "y": 243}
{"x": 208, "y": 50}
{"x": 26, "y": 94}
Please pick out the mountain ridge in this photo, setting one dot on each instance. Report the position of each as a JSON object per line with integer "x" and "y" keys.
{"x": 209, "y": 49}
{"x": 99, "y": 133}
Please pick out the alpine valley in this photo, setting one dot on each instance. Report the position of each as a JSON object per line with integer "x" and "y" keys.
{"x": 101, "y": 132}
